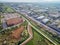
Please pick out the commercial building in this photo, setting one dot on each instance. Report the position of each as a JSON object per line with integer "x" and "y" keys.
{"x": 14, "y": 21}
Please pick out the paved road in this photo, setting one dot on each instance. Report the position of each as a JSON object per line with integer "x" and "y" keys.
{"x": 44, "y": 26}
{"x": 54, "y": 31}
{"x": 41, "y": 24}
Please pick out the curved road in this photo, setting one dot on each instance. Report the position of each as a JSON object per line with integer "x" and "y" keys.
{"x": 30, "y": 35}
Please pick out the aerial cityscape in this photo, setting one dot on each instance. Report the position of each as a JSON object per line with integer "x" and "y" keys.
{"x": 28, "y": 23}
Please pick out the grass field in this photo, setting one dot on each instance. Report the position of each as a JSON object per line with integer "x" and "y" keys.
{"x": 38, "y": 40}
{"x": 8, "y": 9}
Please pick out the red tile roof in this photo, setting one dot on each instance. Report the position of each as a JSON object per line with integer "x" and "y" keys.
{"x": 14, "y": 21}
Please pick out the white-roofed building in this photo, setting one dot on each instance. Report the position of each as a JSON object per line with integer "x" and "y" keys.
{"x": 45, "y": 20}
{"x": 40, "y": 17}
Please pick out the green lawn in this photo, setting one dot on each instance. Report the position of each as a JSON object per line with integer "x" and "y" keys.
{"x": 8, "y": 9}
{"x": 38, "y": 39}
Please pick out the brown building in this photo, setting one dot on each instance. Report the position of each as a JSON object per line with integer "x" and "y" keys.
{"x": 14, "y": 21}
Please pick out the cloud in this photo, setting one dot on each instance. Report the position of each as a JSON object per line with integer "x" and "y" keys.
{"x": 30, "y": 0}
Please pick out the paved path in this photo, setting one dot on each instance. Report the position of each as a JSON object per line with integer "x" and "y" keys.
{"x": 30, "y": 35}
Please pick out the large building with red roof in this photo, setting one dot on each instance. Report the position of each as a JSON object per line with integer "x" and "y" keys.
{"x": 14, "y": 21}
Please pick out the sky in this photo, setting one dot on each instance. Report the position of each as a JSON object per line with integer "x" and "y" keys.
{"x": 29, "y": 0}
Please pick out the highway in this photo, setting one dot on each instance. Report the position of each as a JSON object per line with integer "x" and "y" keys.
{"x": 51, "y": 39}
{"x": 40, "y": 31}
{"x": 48, "y": 27}
{"x": 42, "y": 25}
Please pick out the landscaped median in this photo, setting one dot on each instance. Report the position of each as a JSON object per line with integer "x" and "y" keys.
{"x": 41, "y": 32}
